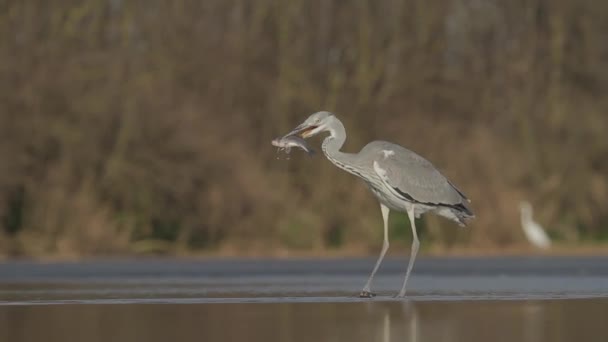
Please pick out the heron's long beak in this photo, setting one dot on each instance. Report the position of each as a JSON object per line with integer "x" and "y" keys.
{"x": 303, "y": 131}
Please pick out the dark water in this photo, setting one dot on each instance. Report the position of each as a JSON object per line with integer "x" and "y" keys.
{"x": 456, "y": 299}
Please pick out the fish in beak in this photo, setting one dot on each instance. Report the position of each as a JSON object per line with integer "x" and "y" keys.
{"x": 287, "y": 142}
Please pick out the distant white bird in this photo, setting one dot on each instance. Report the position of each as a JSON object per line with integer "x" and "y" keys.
{"x": 534, "y": 232}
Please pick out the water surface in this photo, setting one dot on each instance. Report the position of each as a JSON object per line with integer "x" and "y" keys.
{"x": 449, "y": 299}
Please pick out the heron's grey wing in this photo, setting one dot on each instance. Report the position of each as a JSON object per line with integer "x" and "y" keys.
{"x": 415, "y": 178}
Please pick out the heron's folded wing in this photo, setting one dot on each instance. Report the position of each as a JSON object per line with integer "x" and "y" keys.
{"x": 416, "y": 179}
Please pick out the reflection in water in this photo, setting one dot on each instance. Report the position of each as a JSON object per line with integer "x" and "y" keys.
{"x": 386, "y": 328}
{"x": 563, "y": 320}
{"x": 533, "y": 316}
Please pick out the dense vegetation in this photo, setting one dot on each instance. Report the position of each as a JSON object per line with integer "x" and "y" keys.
{"x": 136, "y": 126}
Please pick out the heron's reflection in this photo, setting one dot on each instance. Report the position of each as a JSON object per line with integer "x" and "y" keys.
{"x": 396, "y": 323}
{"x": 534, "y": 322}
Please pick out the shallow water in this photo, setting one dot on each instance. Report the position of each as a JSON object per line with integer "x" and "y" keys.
{"x": 564, "y": 320}
{"x": 455, "y": 299}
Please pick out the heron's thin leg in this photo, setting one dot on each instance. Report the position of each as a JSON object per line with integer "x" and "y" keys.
{"x": 366, "y": 289}
{"x": 414, "y": 252}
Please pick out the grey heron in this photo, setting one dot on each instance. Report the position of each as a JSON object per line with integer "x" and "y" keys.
{"x": 400, "y": 179}
{"x": 533, "y": 231}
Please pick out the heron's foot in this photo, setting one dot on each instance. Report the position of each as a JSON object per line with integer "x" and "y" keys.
{"x": 400, "y": 295}
{"x": 366, "y": 294}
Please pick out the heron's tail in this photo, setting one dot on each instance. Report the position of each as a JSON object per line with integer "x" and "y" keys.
{"x": 463, "y": 212}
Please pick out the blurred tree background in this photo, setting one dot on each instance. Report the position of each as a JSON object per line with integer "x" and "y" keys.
{"x": 145, "y": 126}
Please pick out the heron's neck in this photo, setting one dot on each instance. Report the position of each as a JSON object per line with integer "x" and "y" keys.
{"x": 332, "y": 145}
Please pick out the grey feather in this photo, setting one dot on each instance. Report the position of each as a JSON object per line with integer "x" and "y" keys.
{"x": 413, "y": 174}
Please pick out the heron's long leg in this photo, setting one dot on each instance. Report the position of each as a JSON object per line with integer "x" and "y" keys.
{"x": 414, "y": 252}
{"x": 366, "y": 289}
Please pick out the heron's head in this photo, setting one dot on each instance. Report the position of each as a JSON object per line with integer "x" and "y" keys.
{"x": 315, "y": 124}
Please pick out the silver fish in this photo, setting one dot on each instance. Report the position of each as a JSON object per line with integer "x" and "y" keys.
{"x": 287, "y": 142}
